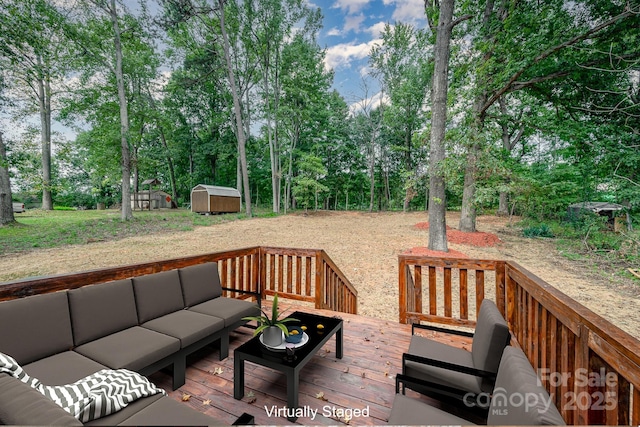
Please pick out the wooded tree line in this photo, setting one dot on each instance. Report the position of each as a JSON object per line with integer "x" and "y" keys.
{"x": 543, "y": 105}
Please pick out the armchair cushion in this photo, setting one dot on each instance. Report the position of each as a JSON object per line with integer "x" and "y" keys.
{"x": 490, "y": 338}
{"x": 430, "y": 349}
{"x": 231, "y": 310}
{"x": 187, "y": 326}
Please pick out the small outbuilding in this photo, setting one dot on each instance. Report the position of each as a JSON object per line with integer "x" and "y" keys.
{"x": 214, "y": 199}
{"x": 609, "y": 210}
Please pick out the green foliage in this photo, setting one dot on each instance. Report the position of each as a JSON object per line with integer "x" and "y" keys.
{"x": 541, "y": 230}
{"x": 265, "y": 321}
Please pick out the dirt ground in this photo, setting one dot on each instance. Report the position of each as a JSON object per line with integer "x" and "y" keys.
{"x": 365, "y": 247}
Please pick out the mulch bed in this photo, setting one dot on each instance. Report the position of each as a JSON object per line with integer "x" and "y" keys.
{"x": 478, "y": 238}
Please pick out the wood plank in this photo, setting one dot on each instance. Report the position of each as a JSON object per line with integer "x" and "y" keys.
{"x": 433, "y": 292}
{"x": 280, "y": 259}
{"x": 299, "y": 275}
{"x": 447, "y": 293}
{"x": 479, "y": 290}
{"x": 620, "y": 364}
{"x": 403, "y": 272}
{"x": 416, "y": 289}
{"x": 635, "y": 412}
{"x": 307, "y": 283}
{"x": 464, "y": 297}
{"x": 501, "y": 295}
{"x": 289, "y": 274}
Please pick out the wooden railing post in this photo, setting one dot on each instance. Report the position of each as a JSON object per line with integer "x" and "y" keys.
{"x": 320, "y": 280}
{"x": 402, "y": 281}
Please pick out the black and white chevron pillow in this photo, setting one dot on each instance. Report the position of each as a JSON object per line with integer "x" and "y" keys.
{"x": 98, "y": 395}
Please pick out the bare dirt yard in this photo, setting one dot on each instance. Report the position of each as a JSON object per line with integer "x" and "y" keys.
{"x": 364, "y": 245}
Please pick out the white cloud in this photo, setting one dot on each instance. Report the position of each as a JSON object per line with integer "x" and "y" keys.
{"x": 370, "y": 103}
{"x": 352, "y": 23}
{"x": 376, "y": 29}
{"x": 342, "y": 54}
{"x": 351, "y": 6}
{"x": 334, "y": 32}
{"x": 407, "y": 10}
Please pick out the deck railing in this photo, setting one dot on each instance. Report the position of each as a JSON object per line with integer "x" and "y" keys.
{"x": 299, "y": 274}
{"x": 590, "y": 367}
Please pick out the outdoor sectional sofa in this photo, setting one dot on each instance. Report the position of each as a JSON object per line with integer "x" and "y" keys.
{"x": 143, "y": 324}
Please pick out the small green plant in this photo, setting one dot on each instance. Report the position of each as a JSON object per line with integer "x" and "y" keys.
{"x": 541, "y": 230}
{"x": 265, "y": 321}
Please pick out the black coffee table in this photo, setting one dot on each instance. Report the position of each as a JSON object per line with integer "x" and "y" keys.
{"x": 254, "y": 351}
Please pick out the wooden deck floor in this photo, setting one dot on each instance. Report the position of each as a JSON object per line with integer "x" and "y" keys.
{"x": 363, "y": 378}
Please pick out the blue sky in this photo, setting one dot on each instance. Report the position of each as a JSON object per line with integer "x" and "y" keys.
{"x": 351, "y": 28}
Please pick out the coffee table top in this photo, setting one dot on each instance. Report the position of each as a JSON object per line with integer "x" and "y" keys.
{"x": 253, "y": 349}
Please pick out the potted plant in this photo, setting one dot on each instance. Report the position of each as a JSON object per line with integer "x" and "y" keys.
{"x": 272, "y": 327}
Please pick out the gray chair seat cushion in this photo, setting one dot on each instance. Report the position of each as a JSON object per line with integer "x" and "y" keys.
{"x": 408, "y": 411}
{"x": 425, "y": 347}
{"x": 126, "y": 412}
{"x": 134, "y": 348}
{"x": 168, "y": 412}
{"x": 63, "y": 368}
{"x": 187, "y": 326}
{"x": 231, "y": 310}
{"x": 20, "y": 404}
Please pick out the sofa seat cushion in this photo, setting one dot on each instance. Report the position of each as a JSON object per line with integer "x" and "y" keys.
{"x": 231, "y": 310}
{"x": 408, "y": 411}
{"x": 63, "y": 368}
{"x": 200, "y": 283}
{"x": 40, "y": 326}
{"x": 102, "y": 309}
{"x": 20, "y": 404}
{"x": 134, "y": 348}
{"x": 167, "y": 411}
{"x": 187, "y": 326}
{"x": 126, "y": 412}
{"x": 439, "y": 351}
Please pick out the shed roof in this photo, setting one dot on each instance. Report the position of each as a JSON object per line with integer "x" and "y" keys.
{"x": 215, "y": 190}
{"x": 597, "y": 206}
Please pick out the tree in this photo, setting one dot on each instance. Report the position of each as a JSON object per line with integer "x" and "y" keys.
{"x": 6, "y": 199}
{"x": 34, "y": 49}
{"x": 567, "y": 42}
{"x": 402, "y": 63}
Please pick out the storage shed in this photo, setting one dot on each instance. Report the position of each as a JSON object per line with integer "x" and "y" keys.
{"x": 214, "y": 199}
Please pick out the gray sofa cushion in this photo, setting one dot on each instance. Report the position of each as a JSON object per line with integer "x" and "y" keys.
{"x": 489, "y": 340}
{"x": 39, "y": 327}
{"x": 100, "y": 310}
{"x": 157, "y": 294}
{"x": 126, "y": 412}
{"x": 425, "y": 347}
{"x": 408, "y": 411}
{"x": 187, "y": 326}
{"x": 231, "y": 310}
{"x": 134, "y": 348}
{"x": 200, "y": 283}
{"x": 63, "y": 368}
{"x": 516, "y": 375}
{"x": 22, "y": 405}
{"x": 167, "y": 411}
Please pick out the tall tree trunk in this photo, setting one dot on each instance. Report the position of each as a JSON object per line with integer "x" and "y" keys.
{"x": 439, "y": 89}
{"x": 237, "y": 109}
{"x": 6, "y": 199}
{"x": 468, "y": 211}
{"x": 44, "y": 95}
{"x": 126, "y": 213}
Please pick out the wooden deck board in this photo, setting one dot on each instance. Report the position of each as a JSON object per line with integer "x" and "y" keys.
{"x": 364, "y": 377}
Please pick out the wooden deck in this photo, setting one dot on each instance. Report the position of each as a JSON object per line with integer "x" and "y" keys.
{"x": 364, "y": 377}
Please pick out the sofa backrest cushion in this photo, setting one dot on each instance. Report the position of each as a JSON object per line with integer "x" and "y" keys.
{"x": 490, "y": 337}
{"x": 157, "y": 294}
{"x": 200, "y": 283}
{"x": 518, "y": 397}
{"x": 35, "y": 327}
{"x": 20, "y": 404}
{"x": 102, "y": 309}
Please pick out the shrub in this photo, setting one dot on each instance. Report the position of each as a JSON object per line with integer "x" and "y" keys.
{"x": 540, "y": 230}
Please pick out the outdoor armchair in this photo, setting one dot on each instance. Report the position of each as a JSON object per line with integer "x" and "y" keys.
{"x": 443, "y": 367}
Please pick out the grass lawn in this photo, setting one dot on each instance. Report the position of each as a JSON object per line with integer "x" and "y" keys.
{"x": 37, "y": 229}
